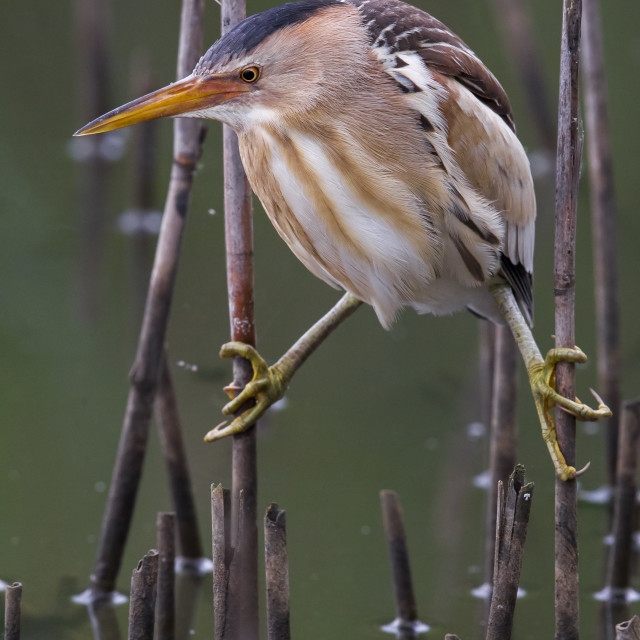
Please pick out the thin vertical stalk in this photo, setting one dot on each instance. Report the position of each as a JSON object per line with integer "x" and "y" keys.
{"x": 406, "y": 608}
{"x": 145, "y": 372}
{"x": 604, "y": 225}
{"x": 277, "y": 574}
{"x": 243, "y": 579}
{"x": 567, "y": 176}
{"x": 12, "y": 607}
{"x": 142, "y": 601}
{"x": 221, "y": 555}
{"x": 177, "y": 467}
{"x": 165, "y": 601}
{"x": 502, "y": 447}
{"x": 620, "y": 558}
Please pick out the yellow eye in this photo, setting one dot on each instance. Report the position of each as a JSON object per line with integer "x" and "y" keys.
{"x": 250, "y": 74}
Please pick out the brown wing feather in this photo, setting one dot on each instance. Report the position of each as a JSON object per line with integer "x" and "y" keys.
{"x": 488, "y": 153}
{"x": 402, "y": 27}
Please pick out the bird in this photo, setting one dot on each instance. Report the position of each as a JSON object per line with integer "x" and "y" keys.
{"x": 384, "y": 152}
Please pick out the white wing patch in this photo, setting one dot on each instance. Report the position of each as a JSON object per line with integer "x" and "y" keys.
{"x": 381, "y": 266}
{"x": 431, "y": 93}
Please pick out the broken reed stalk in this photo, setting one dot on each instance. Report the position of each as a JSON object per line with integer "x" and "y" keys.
{"x": 277, "y": 574}
{"x": 165, "y": 599}
{"x": 629, "y": 630}
{"x": 92, "y": 19}
{"x": 145, "y": 373}
{"x": 142, "y": 600}
{"x": 243, "y": 579}
{"x": 221, "y": 556}
{"x": 604, "y": 225}
{"x": 177, "y": 466}
{"x": 230, "y": 618}
{"x": 12, "y": 607}
{"x": 567, "y": 176}
{"x": 406, "y": 608}
{"x": 624, "y": 511}
{"x": 511, "y": 532}
{"x": 514, "y": 18}
{"x": 502, "y": 446}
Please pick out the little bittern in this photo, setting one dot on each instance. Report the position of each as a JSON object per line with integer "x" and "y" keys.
{"x": 385, "y": 154}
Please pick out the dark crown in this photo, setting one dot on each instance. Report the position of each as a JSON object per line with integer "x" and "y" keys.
{"x": 251, "y": 32}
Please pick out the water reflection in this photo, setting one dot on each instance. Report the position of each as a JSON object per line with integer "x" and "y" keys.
{"x": 104, "y": 622}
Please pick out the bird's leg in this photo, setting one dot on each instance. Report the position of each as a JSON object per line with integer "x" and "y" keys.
{"x": 542, "y": 379}
{"x": 269, "y": 383}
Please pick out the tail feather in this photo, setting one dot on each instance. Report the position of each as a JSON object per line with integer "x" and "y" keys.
{"x": 521, "y": 282}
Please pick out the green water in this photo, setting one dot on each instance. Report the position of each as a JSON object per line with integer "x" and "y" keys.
{"x": 371, "y": 410}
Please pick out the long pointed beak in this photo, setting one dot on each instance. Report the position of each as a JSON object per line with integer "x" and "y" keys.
{"x": 190, "y": 94}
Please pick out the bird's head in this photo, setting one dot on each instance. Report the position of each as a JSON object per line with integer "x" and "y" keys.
{"x": 276, "y": 63}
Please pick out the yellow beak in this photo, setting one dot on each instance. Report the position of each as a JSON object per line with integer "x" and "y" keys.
{"x": 192, "y": 93}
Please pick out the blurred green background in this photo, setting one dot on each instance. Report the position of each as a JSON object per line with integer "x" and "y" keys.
{"x": 371, "y": 410}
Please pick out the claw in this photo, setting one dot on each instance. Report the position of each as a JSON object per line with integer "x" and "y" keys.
{"x": 216, "y": 433}
{"x": 250, "y": 392}
{"x": 231, "y": 389}
{"x": 601, "y": 405}
{"x": 265, "y": 388}
{"x": 542, "y": 377}
{"x": 577, "y": 474}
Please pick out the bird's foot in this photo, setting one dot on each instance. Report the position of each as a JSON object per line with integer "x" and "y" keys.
{"x": 266, "y": 387}
{"x": 542, "y": 378}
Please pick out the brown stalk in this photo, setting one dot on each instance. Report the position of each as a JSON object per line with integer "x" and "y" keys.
{"x": 221, "y": 555}
{"x": 277, "y": 574}
{"x": 502, "y": 448}
{"x": 12, "y": 607}
{"x": 406, "y": 608}
{"x": 177, "y": 466}
{"x": 165, "y": 600}
{"x": 242, "y": 605}
{"x": 511, "y": 532}
{"x": 620, "y": 558}
{"x": 142, "y": 601}
{"x": 567, "y": 176}
{"x": 604, "y": 224}
{"x": 145, "y": 373}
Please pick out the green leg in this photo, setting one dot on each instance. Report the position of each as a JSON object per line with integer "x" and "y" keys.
{"x": 542, "y": 379}
{"x": 269, "y": 383}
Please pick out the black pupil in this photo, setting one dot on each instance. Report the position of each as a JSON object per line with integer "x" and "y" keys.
{"x": 249, "y": 75}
